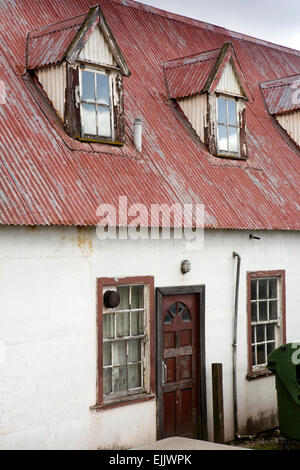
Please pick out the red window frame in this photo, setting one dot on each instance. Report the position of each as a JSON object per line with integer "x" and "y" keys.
{"x": 280, "y": 274}
{"x": 106, "y": 282}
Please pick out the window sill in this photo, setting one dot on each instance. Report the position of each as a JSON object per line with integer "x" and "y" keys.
{"x": 259, "y": 374}
{"x": 231, "y": 156}
{"x": 132, "y": 400}
{"x": 100, "y": 141}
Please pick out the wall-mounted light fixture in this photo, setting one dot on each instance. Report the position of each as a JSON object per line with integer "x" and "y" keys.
{"x": 186, "y": 266}
{"x": 253, "y": 237}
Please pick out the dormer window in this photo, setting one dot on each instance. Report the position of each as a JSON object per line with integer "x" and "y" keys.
{"x": 228, "y": 126}
{"x": 81, "y": 69}
{"x": 95, "y": 103}
{"x": 211, "y": 90}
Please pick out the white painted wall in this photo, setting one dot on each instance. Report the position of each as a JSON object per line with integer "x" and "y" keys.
{"x": 48, "y": 329}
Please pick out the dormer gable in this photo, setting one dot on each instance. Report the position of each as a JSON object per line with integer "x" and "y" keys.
{"x": 282, "y": 98}
{"x": 212, "y": 91}
{"x": 81, "y": 68}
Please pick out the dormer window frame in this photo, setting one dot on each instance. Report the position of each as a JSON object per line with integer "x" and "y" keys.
{"x": 97, "y": 70}
{"x": 228, "y": 125}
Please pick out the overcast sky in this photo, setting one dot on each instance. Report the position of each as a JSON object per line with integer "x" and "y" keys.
{"x": 273, "y": 20}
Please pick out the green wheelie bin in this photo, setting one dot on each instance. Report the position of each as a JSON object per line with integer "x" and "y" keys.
{"x": 285, "y": 363}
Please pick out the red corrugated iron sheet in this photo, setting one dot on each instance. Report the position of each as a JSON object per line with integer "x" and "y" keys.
{"x": 47, "y": 45}
{"x": 282, "y": 95}
{"x": 187, "y": 76}
{"x": 46, "y": 178}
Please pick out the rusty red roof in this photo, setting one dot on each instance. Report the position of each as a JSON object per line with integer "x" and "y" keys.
{"x": 282, "y": 95}
{"x": 47, "y": 45}
{"x": 49, "y": 179}
{"x": 187, "y": 76}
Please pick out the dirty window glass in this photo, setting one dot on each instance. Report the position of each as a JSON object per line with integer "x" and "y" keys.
{"x": 265, "y": 333}
{"x": 228, "y": 130}
{"x": 124, "y": 336}
{"x": 95, "y": 104}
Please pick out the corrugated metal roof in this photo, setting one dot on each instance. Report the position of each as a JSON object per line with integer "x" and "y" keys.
{"x": 47, "y": 45}
{"x": 46, "y": 178}
{"x": 188, "y": 75}
{"x": 282, "y": 95}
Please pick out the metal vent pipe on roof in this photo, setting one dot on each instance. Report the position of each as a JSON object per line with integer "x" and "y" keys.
{"x": 138, "y": 133}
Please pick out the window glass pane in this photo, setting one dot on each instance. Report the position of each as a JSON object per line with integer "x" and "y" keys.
{"x": 134, "y": 350}
{"x": 263, "y": 311}
{"x": 168, "y": 320}
{"x": 270, "y": 332}
{"x": 263, "y": 285}
{"x": 119, "y": 379}
{"x": 104, "y": 125}
{"x": 186, "y": 316}
{"x": 253, "y": 334}
{"x": 107, "y": 381}
{"x": 106, "y": 354}
{"x": 254, "y": 318}
{"x": 123, "y": 291}
{"x": 253, "y": 356}
{"x": 233, "y": 139}
{"x": 88, "y": 86}
{"x": 273, "y": 288}
{"x": 102, "y": 88}
{"x": 137, "y": 323}
{"x": 134, "y": 376}
{"x": 273, "y": 309}
{"x": 137, "y": 297}
{"x": 260, "y": 333}
{"x": 222, "y": 138}
{"x": 254, "y": 289}
{"x": 232, "y": 117}
{"x": 119, "y": 353}
{"x": 261, "y": 354}
{"x": 108, "y": 326}
{"x": 270, "y": 348}
{"x": 222, "y": 110}
{"x": 89, "y": 119}
{"x": 122, "y": 321}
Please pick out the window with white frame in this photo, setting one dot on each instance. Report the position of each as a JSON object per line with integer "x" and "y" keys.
{"x": 228, "y": 126}
{"x": 125, "y": 343}
{"x": 95, "y": 103}
{"x": 266, "y": 318}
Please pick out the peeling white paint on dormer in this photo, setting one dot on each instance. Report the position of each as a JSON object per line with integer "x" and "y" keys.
{"x": 229, "y": 83}
{"x": 96, "y": 50}
{"x": 291, "y": 124}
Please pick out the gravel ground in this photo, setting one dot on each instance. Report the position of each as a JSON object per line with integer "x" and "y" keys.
{"x": 269, "y": 440}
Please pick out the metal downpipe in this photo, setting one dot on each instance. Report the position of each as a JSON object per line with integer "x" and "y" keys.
{"x": 234, "y": 343}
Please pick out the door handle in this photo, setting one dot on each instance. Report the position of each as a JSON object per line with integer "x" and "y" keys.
{"x": 164, "y": 371}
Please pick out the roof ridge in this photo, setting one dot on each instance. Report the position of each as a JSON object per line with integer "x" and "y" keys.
{"x": 188, "y": 57}
{"x": 48, "y": 26}
{"x": 205, "y": 25}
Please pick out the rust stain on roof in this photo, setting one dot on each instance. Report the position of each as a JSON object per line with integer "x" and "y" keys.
{"x": 48, "y": 179}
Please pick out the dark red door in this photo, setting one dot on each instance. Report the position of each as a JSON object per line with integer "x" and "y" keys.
{"x": 180, "y": 378}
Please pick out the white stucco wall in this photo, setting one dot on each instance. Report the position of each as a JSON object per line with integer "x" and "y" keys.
{"x": 48, "y": 329}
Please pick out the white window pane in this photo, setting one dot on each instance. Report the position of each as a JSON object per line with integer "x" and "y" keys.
{"x": 104, "y": 125}
{"x": 88, "y": 86}
{"x": 232, "y": 116}
{"x": 134, "y": 376}
{"x": 102, "y": 89}
{"x": 233, "y": 139}
{"x": 89, "y": 119}
{"x": 119, "y": 379}
{"x": 108, "y": 326}
{"x": 134, "y": 350}
{"x": 123, "y": 291}
{"x": 107, "y": 381}
{"x": 106, "y": 354}
{"x": 119, "y": 353}
{"x": 137, "y": 297}
{"x": 222, "y": 111}
{"x": 222, "y": 138}
{"x": 123, "y": 325}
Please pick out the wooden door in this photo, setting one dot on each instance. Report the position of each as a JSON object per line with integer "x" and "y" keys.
{"x": 179, "y": 368}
